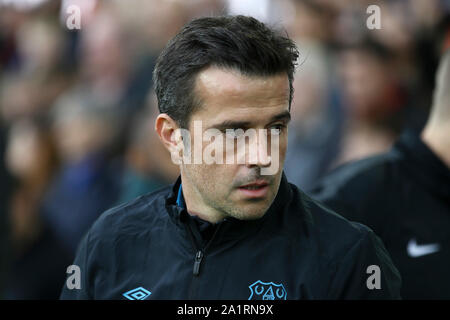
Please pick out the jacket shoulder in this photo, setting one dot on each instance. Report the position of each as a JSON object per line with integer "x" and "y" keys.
{"x": 325, "y": 229}
{"x": 132, "y": 217}
{"x": 362, "y": 190}
{"x": 361, "y": 174}
{"x": 327, "y": 223}
{"x": 347, "y": 249}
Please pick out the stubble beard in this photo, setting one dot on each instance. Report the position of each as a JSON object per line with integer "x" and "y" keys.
{"x": 226, "y": 207}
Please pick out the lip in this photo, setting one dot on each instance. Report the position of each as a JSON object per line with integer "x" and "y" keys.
{"x": 261, "y": 192}
{"x": 257, "y": 183}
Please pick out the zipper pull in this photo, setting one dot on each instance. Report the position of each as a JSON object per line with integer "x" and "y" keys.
{"x": 198, "y": 261}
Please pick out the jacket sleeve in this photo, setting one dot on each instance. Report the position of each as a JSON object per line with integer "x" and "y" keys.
{"x": 365, "y": 272}
{"x": 83, "y": 262}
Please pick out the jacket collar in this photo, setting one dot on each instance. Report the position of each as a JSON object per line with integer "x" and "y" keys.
{"x": 231, "y": 227}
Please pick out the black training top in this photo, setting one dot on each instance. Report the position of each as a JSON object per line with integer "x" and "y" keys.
{"x": 152, "y": 249}
{"x": 404, "y": 196}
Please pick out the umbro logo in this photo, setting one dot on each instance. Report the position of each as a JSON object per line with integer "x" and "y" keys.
{"x": 417, "y": 250}
{"x": 137, "y": 294}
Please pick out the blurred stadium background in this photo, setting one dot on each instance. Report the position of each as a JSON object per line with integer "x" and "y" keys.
{"x": 77, "y": 106}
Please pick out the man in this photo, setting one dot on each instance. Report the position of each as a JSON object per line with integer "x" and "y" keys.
{"x": 404, "y": 196}
{"x": 229, "y": 230}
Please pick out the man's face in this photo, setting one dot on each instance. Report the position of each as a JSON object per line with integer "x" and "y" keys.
{"x": 230, "y": 100}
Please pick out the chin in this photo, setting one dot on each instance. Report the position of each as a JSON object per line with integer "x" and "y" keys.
{"x": 251, "y": 213}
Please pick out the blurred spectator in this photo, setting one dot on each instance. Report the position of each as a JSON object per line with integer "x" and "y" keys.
{"x": 310, "y": 22}
{"x": 31, "y": 159}
{"x": 104, "y": 76}
{"x": 373, "y": 100}
{"x": 315, "y": 129}
{"x": 316, "y": 125}
{"x": 42, "y": 76}
{"x": 87, "y": 184}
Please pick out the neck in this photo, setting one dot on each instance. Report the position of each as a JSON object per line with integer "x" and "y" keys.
{"x": 438, "y": 140}
{"x": 195, "y": 204}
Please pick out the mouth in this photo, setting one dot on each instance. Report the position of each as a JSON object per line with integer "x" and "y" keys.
{"x": 256, "y": 189}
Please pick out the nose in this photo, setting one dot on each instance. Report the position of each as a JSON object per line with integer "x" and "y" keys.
{"x": 258, "y": 153}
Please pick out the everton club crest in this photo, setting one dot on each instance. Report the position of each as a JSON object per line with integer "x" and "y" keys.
{"x": 267, "y": 291}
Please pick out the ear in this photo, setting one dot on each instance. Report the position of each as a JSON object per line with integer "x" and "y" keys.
{"x": 167, "y": 130}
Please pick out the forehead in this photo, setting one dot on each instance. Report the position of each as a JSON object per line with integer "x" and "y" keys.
{"x": 219, "y": 82}
{"x": 226, "y": 92}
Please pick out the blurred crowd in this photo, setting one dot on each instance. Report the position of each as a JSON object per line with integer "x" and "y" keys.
{"x": 77, "y": 107}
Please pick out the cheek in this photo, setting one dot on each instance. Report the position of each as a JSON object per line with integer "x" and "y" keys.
{"x": 221, "y": 181}
{"x": 213, "y": 177}
{"x": 283, "y": 147}
{"x": 280, "y": 148}
{"x": 221, "y": 175}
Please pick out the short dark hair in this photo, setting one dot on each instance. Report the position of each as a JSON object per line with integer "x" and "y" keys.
{"x": 236, "y": 42}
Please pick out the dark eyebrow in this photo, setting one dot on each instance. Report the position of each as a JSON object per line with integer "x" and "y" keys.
{"x": 286, "y": 115}
{"x": 230, "y": 124}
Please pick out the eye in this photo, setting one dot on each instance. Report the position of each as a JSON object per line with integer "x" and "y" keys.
{"x": 276, "y": 129}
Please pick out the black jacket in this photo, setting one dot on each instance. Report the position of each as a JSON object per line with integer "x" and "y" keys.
{"x": 404, "y": 196}
{"x": 151, "y": 248}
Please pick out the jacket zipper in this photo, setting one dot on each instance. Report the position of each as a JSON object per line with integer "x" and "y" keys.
{"x": 199, "y": 256}
{"x": 200, "y": 253}
{"x": 197, "y": 262}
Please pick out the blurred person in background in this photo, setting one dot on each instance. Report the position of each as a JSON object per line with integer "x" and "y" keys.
{"x": 41, "y": 74}
{"x": 317, "y": 119}
{"x": 31, "y": 159}
{"x": 88, "y": 182}
{"x": 411, "y": 31}
{"x": 104, "y": 69}
{"x": 404, "y": 196}
{"x": 397, "y": 62}
{"x": 317, "y": 115}
{"x": 372, "y": 97}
